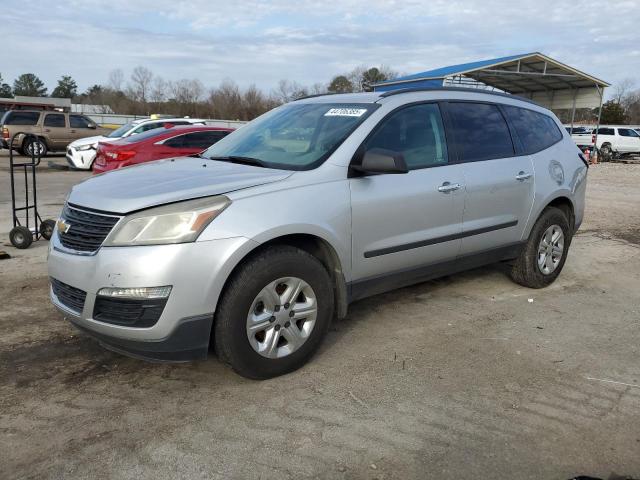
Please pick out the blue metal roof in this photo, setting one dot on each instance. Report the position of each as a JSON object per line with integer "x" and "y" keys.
{"x": 455, "y": 69}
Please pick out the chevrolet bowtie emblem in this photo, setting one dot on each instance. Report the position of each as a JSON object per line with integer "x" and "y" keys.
{"x": 63, "y": 227}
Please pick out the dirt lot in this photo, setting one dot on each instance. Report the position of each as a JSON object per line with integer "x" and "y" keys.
{"x": 466, "y": 377}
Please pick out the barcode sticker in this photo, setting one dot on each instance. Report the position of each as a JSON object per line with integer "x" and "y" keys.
{"x": 345, "y": 112}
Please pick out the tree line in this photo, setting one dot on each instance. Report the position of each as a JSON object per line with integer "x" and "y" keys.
{"x": 144, "y": 92}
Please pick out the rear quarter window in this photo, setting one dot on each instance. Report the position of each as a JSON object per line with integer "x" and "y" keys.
{"x": 21, "y": 118}
{"x": 535, "y": 130}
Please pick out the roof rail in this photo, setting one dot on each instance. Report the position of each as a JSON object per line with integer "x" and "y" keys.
{"x": 315, "y": 95}
{"x": 390, "y": 93}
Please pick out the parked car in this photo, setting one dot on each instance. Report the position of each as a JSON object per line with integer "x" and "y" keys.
{"x": 614, "y": 141}
{"x": 258, "y": 243}
{"x": 156, "y": 144}
{"x": 82, "y": 153}
{"x": 52, "y": 130}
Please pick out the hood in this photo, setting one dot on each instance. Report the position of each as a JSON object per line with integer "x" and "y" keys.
{"x": 166, "y": 181}
{"x": 88, "y": 141}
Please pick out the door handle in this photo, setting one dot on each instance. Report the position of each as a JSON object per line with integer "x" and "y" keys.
{"x": 447, "y": 187}
{"x": 521, "y": 176}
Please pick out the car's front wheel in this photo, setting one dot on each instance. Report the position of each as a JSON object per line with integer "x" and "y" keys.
{"x": 545, "y": 252}
{"x": 274, "y": 313}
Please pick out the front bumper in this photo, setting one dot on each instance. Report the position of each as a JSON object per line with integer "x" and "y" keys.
{"x": 80, "y": 159}
{"x": 196, "y": 271}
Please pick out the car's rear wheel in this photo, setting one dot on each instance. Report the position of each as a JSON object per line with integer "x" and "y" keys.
{"x": 545, "y": 253}
{"x": 274, "y": 313}
{"x": 34, "y": 147}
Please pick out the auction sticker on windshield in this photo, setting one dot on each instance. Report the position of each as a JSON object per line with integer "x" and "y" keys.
{"x": 346, "y": 112}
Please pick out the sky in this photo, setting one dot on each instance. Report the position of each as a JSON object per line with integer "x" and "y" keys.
{"x": 306, "y": 41}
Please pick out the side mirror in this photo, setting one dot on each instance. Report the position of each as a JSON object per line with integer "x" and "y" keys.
{"x": 380, "y": 160}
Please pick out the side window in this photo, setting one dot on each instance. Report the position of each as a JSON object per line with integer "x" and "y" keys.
{"x": 78, "y": 121}
{"x": 417, "y": 133}
{"x": 536, "y": 131}
{"x": 22, "y": 118}
{"x": 480, "y": 132}
{"x": 202, "y": 140}
{"x": 149, "y": 126}
{"x": 605, "y": 131}
{"x": 54, "y": 120}
{"x": 627, "y": 132}
{"x": 175, "y": 142}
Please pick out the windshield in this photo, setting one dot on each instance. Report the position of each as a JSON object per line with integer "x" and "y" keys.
{"x": 119, "y": 132}
{"x": 296, "y": 136}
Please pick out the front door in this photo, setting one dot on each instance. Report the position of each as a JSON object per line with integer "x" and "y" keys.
{"x": 402, "y": 223}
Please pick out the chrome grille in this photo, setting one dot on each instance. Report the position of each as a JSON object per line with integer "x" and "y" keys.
{"x": 86, "y": 229}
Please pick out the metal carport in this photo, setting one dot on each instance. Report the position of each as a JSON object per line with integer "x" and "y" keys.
{"x": 535, "y": 76}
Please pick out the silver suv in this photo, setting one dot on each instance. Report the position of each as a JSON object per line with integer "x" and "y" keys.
{"x": 257, "y": 244}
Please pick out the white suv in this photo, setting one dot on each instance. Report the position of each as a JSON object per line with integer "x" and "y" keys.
{"x": 82, "y": 153}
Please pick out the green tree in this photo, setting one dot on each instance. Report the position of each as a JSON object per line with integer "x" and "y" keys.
{"x": 29, "y": 85}
{"x": 372, "y": 76}
{"x": 66, "y": 88}
{"x": 5, "y": 89}
{"x": 340, "y": 84}
{"x": 613, "y": 113}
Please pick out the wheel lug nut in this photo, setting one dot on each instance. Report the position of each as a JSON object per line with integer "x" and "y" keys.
{"x": 272, "y": 319}
{"x": 286, "y": 325}
{"x": 286, "y": 305}
{"x": 277, "y": 327}
{"x": 277, "y": 308}
{"x": 292, "y": 313}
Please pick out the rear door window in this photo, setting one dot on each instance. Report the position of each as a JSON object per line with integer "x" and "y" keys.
{"x": 22, "y": 118}
{"x": 605, "y": 131}
{"x": 535, "y": 130}
{"x": 55, "y": 120}
{"x": 202, "y": 140}
{"x": 175, "y": 142}
{"x": 417, "y": 133}
{"x": 480, "y": 131}
{"x": 627, "y": 132}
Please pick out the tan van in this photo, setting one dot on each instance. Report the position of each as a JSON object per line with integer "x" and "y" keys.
{"x": 53, "y": 130}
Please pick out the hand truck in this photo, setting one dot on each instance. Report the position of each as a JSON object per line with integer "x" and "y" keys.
{"x": 22, "y": 235}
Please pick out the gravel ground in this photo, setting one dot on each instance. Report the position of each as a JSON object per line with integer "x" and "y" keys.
{"x": 469, "y": 376}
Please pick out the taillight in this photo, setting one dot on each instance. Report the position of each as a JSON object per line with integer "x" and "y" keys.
{"x": 5, "y": 133}
{"x": 119, "y": 156}
{"x": 593, "y": 138}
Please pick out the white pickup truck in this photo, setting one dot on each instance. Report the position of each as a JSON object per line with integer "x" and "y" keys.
{"x": 611, "y": 140}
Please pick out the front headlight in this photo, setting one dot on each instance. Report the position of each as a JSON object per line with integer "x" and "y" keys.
{"x": 91, "y": 146}
{"x": 175, "y": 223}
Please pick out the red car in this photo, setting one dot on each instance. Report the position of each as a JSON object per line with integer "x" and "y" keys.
{"x": 167, "y": 142}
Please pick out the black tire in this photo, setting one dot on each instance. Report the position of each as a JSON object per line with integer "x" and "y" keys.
{"x": 46, "y": 228}
{"x": 606, "y": 154}
{"x": 525, "y": 270}
{"x": 21, "y": 237}
{"x": 31, "y": 143}
{"x": 230, "y": 334}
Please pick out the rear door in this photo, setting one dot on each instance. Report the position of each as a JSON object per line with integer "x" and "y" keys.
{"x": 55, "y": 129}
{"x": 499, "y": 181}
{"x": 403, "y": 222}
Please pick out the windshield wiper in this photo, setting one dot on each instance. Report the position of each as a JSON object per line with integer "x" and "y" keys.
{"x": 243, "y": 160}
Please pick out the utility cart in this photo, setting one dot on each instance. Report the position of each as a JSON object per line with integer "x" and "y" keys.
{"x": 31, "y": 228}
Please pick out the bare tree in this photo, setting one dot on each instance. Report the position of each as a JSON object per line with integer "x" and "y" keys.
{"x": 116, "y": 80}
{"x": 159, "y": 90}
{"x": 226, "y": 101}
{"x": 140, "y": 86}
{"x": 622, "y": 89}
